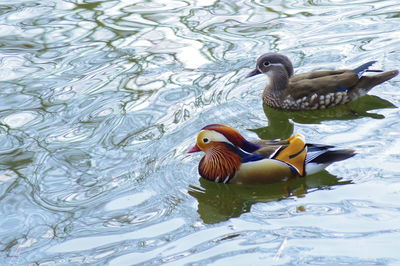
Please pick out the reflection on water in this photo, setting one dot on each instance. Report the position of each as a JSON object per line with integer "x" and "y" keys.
{"x": 218, "y": 202}
{"x": 280, "y": 123}
{"x": 100, "y": 100}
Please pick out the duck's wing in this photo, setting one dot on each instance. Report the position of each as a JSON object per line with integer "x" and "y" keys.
{"x": 294, "y": 154}
{"x": 292, "y": 151}
{"x": 332, "y": 82}
{"x": 275, "y": 161}
{"x": 269, "y": 147}
{"x": 317, "y": 74}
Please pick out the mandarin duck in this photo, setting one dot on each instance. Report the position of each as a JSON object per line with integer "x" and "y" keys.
{"x": 314, "y": 90}
{"x": 230, "y": 158}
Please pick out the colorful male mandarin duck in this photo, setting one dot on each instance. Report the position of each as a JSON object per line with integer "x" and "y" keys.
{"x": 230, "y": 158}
{"x": 314, "y": 90}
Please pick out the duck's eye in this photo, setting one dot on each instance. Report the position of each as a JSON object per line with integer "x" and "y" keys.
{"x": 266, "y": 63}
{"x": 206, "y": 140}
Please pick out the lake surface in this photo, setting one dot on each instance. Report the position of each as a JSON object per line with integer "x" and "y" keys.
{"x": 100, "y": 101}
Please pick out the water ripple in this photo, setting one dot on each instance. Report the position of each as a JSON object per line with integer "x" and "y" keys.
{"x": 101, "y": 101}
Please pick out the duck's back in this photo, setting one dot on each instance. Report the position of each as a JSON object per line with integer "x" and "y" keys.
{"x": 317, "y": 74}
{"x": 321, "y": 83}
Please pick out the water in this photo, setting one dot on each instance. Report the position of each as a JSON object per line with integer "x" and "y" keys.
{"x": 100, "y": 100}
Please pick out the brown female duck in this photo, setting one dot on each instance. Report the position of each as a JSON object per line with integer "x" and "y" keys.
{"x": 314, "y": 90}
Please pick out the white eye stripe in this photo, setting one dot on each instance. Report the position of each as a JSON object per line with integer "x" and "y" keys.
{"x": 270, "y": 64}
{"x": 277, "y": 64}
{"x": 216, "y": 136}
{"x": 212, "y": 135}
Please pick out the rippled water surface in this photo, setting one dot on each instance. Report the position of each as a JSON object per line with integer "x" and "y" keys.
{"x": 100, "y": 100}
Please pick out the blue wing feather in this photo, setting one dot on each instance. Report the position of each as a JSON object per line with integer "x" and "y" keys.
{"x": 359, "y": 71}
{"x": 252, "y": 158}
{"x": 364, "y": 67}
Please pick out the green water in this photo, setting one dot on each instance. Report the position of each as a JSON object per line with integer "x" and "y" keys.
{"x": 100, "y": 101}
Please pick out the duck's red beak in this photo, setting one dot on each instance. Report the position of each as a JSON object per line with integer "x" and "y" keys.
{"x": 194, "y": 149}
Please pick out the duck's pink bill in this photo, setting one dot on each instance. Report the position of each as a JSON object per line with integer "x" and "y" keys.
{"x": 194, "y": 149}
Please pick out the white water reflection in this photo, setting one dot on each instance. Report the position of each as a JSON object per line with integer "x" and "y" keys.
{"x": 129, "y": 200}
{"x": 19, "y": 119}
{"x": 92, "y": 242}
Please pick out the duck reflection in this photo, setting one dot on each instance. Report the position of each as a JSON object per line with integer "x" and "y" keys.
{"x": 280, "y": 123}
{"x": 219, "y": 202}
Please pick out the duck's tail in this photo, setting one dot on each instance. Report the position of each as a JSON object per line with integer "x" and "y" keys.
{"x": 320, "y": 156}
{"x": 368, "y": 82}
